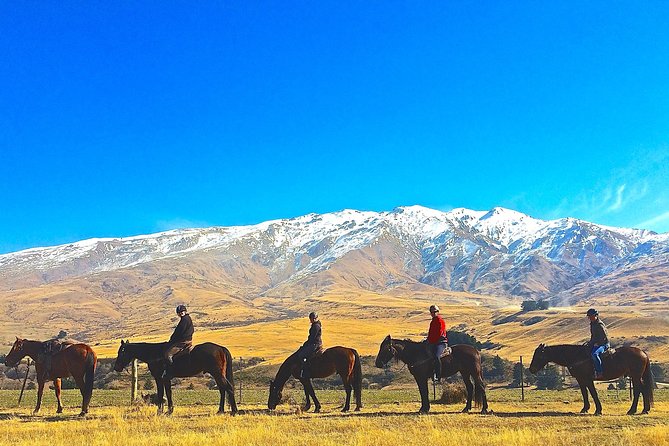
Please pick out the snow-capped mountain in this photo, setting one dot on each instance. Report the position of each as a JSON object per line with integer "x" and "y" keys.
{"x": 500, "y": 252}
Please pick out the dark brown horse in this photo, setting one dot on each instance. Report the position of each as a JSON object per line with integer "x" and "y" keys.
{"x": 626, "y": 361}
{"x": 76, "y": 360}
{"x": 341, "y": 360}
{"x": 208, "y": 357}
{"x": 463, "y": 358}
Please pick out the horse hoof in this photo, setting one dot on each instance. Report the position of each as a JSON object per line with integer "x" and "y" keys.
{"x": 584, "y": 410}
{"x": 317, "y": 409}
{"x": 83, "y": 414}
{"x": 645, "y": 412}
{"x": 60, "y": 410}
{"x": 484, "y": 412}
{"x": 357, "y": 409}
{"x": 631, "y": 412}
{"x": 465, "y": 410}
{"x": 598, "y": 413}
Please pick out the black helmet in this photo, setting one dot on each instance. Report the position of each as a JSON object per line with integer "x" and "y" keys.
{"x": 592, "y": 312}
{"x": 434, "y": 309}
{"x": 313, "y": 315}
{"x": 181, "y": 308}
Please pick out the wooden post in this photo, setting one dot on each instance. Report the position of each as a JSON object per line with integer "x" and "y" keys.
{"x": 24, "y": 382}
{"x": 522, "y": 381}
{"x": 241, "y": 366}
{"x": 135, "y": 380}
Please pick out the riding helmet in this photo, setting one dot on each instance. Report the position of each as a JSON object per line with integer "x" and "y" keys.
{"x": 313, "y": 315}
{"x": 434, "y": 309}
{"x": 592, "y": 312}
{"x": 181, "y": 308}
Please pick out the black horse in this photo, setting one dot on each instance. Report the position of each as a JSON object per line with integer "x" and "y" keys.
{"x": 341, "y": 360}
{"x": 208, "y": 357}
{"x": 626, "y": 361}
{"x": 463, "y": 358}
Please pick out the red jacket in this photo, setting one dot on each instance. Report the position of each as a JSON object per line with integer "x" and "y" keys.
{"x": 437, "y": 331}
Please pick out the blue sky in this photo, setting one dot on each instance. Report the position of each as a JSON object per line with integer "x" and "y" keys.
{"x": 134, "y": 117}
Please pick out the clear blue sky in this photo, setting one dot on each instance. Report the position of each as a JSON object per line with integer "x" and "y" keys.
{"x": 124, "y": 118}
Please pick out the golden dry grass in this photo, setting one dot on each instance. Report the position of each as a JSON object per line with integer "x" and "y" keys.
{"x": 514, "y": 424}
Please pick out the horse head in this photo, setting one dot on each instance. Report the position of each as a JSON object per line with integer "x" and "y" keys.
{"x": 123, "y": 357}
{"x": 539, "y": 359}
{"x": 16, "y": 354}
{"x": 274, "y": 396}
{"x": 386, "y": 352}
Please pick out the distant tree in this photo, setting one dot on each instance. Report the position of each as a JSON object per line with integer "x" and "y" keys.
{"x": 496, "y": 369}
{"x": 148, "y": 384}
{"x": 528, "y": 305}
{"x": 529, "y": 378}
{"x": 460, "y": 337}
{"x": 61, "y": 334}
{"x": 659, "y": 371}
{"x": 549, "y": 378}
{"x": 543, "y": 304}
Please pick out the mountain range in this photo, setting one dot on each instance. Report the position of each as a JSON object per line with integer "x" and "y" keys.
{"x": 263, "y": 271}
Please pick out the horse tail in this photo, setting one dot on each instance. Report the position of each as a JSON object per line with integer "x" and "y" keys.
{"x": 648, "y": 382}
{"x": 228, "y": 367}
{"x": 479, "y": 385}
{"x": 357, "y": 379}
{"x": 89, "y": 372}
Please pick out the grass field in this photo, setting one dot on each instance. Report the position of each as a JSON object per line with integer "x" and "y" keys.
{"x": 546, "y": 417}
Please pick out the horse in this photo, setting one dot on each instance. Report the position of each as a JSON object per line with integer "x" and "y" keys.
{"x": 629, "y": 361}
{"x": 341, "y": 360}
{"x": 76, "y": 360}
{"x": 208, "y": 357}
{"x": 463, "y": 358}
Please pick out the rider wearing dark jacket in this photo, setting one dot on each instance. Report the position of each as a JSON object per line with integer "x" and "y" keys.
{"x": 181, "y": 339}
{"x": 599, "y": 340}
{"x": 311, "y": 346}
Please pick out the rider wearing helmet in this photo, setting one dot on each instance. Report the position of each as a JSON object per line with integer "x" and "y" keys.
{"x": 437, "y": 338}
{"x": 181, "y": 339}
{"x": 599, "y": 340}
{"x": 312, "y": 345}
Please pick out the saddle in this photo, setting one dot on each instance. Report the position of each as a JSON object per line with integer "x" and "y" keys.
{"x": 608, "y": 352}
{"x": 53, "y": 346}
{"x": 183, "y": 352}
{"x": 447, "y": 351}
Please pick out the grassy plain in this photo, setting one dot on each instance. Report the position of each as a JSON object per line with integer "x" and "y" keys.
{"x": 546, "y": 418}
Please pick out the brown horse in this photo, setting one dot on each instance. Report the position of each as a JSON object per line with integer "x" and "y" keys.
{"x": 76, "y": 360}
{"x": 341, "y": 360}
{"x": 626, "y": 361}
{"x": 463, "y": 358}
{"x": 208, "y": 357}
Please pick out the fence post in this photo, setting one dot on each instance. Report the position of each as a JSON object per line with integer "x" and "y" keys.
{"x": 241, "y": 366}
{"x": 522, "y": 380}
{"x": 135, "y": 381}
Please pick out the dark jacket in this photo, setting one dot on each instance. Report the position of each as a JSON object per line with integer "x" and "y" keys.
{"x": 314, "y": 338}
{"x": 184, "y": 331}
{"x": 598, "y": 334}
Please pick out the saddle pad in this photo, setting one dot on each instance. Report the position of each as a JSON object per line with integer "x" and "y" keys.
{"x": 447, "y": 351}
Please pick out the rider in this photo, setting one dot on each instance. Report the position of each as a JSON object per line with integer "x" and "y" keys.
{"x": 312, "y": 345}
{"x": 181, "y": 339}
{"x": 599, "y": 340}
{"x": 438, "y": 340}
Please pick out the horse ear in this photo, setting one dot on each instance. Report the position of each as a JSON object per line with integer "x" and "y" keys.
{"x": 122, "y": 342}
{"x": 387, "y": 338}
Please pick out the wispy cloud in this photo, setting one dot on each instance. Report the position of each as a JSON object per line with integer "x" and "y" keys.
{"x": 652, "y": 223}
{"x": 179, "y": 223}
{"x": 619, "y": 199}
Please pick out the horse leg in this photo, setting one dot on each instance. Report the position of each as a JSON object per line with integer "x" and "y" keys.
{"x": 307, "y": 396}
{"x": 40, "y": 390}
{"x": 168, "y": 394}
{"x": 160, "y": 394}
{"x": 424, "y": 395}
{"x": 312, "y": 392}
{"x": 636, "y": 386}
{"x": 56, "y": 388}
{"x": 231, "y": 396}
{"x": 595, "y": 397}
{"x": 586, "y": 400}
{"x": 348, "y": 388}
{"x": 470, "y": 392}
{"x": 84, "y": 398}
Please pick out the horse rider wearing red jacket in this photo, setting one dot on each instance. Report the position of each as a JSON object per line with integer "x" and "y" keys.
{"x": 437, "y": 338}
